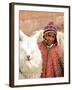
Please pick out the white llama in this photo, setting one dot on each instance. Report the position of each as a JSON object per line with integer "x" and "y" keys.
{"x": 30, "y": 65}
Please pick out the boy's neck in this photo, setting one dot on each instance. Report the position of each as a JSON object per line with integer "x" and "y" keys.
{"x": 49, "y": 46}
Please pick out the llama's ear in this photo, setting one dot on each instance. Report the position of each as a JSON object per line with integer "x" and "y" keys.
{"x": 38, "y": 35}
{"x": 22, "y": 35}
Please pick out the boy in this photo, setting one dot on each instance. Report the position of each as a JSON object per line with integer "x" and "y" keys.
{"x": 52, "y": 54}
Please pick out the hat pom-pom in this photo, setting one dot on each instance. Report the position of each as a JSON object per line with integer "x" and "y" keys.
{"x": 51, "y": 23}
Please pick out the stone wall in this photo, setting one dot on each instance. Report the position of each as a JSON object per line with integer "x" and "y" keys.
{"x": 30, "y": 21}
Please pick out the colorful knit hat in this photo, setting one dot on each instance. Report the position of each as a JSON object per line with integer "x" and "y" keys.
{"x": 50, "y": 28}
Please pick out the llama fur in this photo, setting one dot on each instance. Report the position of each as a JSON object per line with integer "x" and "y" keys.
{"x": 30, "y": 65}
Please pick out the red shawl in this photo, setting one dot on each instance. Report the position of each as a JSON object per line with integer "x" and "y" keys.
{"x": 52, "y": 61}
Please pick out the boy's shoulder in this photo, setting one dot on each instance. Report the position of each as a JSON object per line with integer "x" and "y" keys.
{"x": 55, "y": 48}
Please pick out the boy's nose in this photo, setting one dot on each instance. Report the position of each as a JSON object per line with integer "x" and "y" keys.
{"x": 49, "y": 38}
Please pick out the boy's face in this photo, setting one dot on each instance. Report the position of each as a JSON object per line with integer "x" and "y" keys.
{"x": 49, "y": 37}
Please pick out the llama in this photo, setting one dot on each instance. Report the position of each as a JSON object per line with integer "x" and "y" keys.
{"x": 60, "y": 39}
{"x": 30, "y": 65}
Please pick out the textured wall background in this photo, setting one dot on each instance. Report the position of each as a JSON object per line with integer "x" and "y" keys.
{"x": 31, "y": 21}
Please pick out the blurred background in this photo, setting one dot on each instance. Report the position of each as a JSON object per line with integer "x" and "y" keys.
{"x": 30, "y": 21}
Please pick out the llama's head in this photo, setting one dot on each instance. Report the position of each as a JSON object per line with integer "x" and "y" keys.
{"x": 28, "y": 46}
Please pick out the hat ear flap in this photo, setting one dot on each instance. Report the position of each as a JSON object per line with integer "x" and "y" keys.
{"x": 55, "y": 41}
{"x": 44, "y": 37}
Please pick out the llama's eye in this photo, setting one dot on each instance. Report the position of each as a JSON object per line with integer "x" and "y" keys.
{"x": 25, "y": 52}
{"x": 32, "y": 52}
{"x": 20, "y": 39}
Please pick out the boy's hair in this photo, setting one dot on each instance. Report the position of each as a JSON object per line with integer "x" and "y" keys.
{"x": 55, "y": 41}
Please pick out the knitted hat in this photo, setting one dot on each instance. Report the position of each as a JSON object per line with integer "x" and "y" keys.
{"x": 50, "y": 28}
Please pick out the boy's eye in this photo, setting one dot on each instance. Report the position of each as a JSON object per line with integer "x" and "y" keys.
{"x": 46, "y": 35}
{"x": 49, "y": 35}
{"x": 53, "y": 36}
